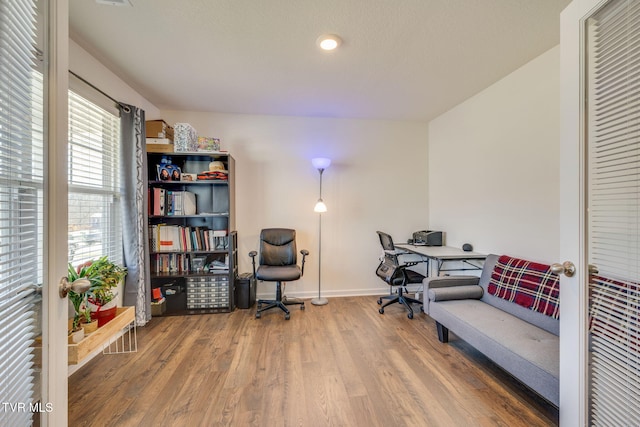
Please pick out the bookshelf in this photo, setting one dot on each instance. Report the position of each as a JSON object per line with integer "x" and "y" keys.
{"x": 192, "y": 237}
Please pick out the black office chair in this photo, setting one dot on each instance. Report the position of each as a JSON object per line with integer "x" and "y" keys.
{"x": 278, "y": 263}
{"x": 396, "y": 274}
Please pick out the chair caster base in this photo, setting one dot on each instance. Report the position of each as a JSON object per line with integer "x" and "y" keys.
{"x": 381, "y": 311}
{"x": 287, "y": 316}
{"x": 258, "y": 315}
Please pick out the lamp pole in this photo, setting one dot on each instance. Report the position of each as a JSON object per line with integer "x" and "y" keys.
{"x": 321, "y": 164}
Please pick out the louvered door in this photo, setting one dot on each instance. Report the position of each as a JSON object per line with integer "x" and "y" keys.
{"x": 600, "y": 186}
{"x": 613, "y": 205}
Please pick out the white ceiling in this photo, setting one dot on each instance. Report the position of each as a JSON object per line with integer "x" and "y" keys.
{"x": 400, "y": 59}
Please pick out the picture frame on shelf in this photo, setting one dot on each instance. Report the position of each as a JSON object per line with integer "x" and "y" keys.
{"x": 198, "y": 263}
{"x": 168, "y": 173}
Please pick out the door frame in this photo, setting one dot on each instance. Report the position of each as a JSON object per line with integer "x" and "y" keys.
{"x": 55, "y": 309}
{"x": 574, "y": 376}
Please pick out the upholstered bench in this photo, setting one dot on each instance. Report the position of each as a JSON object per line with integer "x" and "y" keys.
{"x": 510, "y": 314}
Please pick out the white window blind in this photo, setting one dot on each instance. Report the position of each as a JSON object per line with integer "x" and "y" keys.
{"x": 21, "y": 202}
{"x": 95, "y": 226}
{"x": 613, "y": 79}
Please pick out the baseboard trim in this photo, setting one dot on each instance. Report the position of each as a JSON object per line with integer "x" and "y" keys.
{"x": 331, "y": 293}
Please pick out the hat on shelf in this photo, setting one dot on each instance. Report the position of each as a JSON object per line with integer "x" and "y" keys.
{"x": 216, "y": 167}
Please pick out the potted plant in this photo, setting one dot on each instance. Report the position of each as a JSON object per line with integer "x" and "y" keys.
{"x": 82, "y": 315}
{"x": 100, "y": 297}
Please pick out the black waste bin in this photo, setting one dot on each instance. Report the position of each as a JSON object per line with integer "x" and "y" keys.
{"x": 245, "y": 291}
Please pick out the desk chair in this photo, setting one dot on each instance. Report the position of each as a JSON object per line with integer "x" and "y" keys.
{"x": 396, "y": 274}
{"x": 278, "y": 264}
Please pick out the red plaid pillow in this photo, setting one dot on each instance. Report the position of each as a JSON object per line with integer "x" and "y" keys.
{"x": 526, "y": 283}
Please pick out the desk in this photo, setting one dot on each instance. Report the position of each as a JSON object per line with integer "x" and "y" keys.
{"x": 442, "y": 254}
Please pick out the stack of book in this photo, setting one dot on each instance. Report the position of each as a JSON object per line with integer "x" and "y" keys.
{"x": 169, "y": 202}
{"x": 179, "y": 238}
{"x": 170, "y": 263}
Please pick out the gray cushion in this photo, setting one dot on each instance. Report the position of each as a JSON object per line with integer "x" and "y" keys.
{"x": 527, "y": 352}
{"x": 439, "y": 282}
{"x": 455, "y": 292}
{"x": 278, "y": 273}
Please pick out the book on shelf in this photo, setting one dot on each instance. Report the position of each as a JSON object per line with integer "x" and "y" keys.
{"x": 182, "y": 238}
{"x": 158, "y": 201}
{"x": 169, "y": 263}
{"x": 153, "y": 240}
{"x": 170, "y": 208}
{"x": 188, "y": 203}
{"x": 171, "y": 202}
{"x": 183, "y": 203}
{"x": 217, "y": 265}
{"x": 169, "y": 238}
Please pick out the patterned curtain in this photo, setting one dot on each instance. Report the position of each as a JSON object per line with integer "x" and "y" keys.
{"x": 137, "y": 289}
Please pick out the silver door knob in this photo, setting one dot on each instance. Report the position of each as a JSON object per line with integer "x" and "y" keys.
{"x": 567, "y": 268}
{"x": 79, "y": 286}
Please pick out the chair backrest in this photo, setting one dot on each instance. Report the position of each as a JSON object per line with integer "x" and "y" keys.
{"x": 278, "y": 247}
{"x": 386, "y": 241}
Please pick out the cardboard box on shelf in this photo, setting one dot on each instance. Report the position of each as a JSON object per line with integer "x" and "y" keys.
{"x": 208, "y": 144}
{"x": 159, "y": 141}
{"x": 158, "y": 129}
{"x": 159, "y": 148}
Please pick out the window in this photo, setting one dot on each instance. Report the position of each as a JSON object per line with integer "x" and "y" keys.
{"x": 21, "y": 208}
{"x": 95, "y": 226}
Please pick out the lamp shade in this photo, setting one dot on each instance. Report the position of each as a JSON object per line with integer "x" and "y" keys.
{"x": 320, "y": 206}
{"x": 321, "y": 162}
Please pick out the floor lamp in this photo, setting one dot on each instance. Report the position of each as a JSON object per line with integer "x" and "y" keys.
{"x": 320, "y": 163}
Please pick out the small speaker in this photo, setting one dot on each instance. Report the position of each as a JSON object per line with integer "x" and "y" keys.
{"x": 467, "y": 247}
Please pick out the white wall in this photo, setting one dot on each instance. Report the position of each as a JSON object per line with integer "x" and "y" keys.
{"x": 377, "y": 181}
{"x": 87, "y": 67}
{"x": 494, "y": 165}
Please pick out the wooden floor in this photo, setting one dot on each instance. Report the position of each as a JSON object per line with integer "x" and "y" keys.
{"x": 342, "y": 364}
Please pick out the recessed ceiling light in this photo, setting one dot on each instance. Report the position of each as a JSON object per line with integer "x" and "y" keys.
{"x": 329, "y": 41}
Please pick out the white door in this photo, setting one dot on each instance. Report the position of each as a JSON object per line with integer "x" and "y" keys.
{"x": 55, "y": 356}
{"x": 21, "y": 216}
{"x": 600, "y": 176}
{"x": 33, "y": 238}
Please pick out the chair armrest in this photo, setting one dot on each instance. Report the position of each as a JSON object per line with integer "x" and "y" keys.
{"x": 304, "y": 253}
{"x": 253, "y": 254}
{"x": 448, "y": 281}
{"x": 455, "y": 293}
